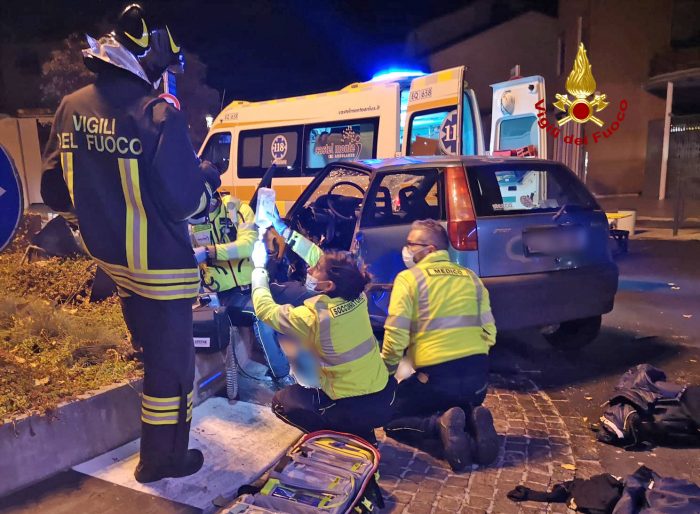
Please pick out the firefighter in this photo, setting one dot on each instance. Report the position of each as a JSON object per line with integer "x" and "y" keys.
{"x": 223, "y": 241}
{"x": 356, "y": 392}
{"x": 121, "y": 160}
{"x": 440, "y": 316}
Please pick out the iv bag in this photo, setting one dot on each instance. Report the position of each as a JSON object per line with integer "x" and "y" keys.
{"x": 265, "y": 210}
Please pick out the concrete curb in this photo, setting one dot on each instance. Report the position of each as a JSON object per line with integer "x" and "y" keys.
{"x": 35, "y": 447}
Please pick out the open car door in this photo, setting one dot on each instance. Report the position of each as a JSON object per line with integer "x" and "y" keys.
{"x": 442, "y": 116}
{"x": 514, "y": 128}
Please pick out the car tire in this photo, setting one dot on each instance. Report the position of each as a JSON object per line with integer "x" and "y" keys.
{"x": 574, "y": 334}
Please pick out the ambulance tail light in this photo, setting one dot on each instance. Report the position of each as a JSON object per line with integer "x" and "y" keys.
{"x": 461, "y": 220}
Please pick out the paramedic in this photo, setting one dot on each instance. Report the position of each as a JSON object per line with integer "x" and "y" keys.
{"x": 440, "y": 316}
{"x": 356, "y": 392}
{"x": 121, "y": 160}
{"x": 223, "y": 242}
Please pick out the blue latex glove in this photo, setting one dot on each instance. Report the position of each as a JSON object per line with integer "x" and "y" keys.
{"x": 200, "y": 254}
{"x": 278, "y": 223}
{"x": 259, "y": 255}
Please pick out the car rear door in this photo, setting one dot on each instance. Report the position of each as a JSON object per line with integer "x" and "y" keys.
{"x": 534, "y": 216}
{"x": 442, "y": 116}
{"x": 514, "y": 116}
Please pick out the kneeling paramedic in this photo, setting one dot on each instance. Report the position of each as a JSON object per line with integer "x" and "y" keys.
{"x": 356, "y": 392}
{"x": 223, "y": 242}
{"x": 440, "y": 316}
{"x": 122, "y": 161}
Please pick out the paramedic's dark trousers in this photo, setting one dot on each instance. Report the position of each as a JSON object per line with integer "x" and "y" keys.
{"x": 163, "y": 328}
{"x": 435, "y": 389}
{"x": 311, "y": 409}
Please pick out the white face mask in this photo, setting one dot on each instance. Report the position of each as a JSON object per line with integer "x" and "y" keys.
{"x": 311, "y": 283}
{"x": 407, "y": 256}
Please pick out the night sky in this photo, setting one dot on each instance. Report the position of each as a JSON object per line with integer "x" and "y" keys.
{"x": 256, "y": 49}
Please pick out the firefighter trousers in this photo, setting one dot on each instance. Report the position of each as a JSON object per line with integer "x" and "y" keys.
{"x": 163, "y": 329}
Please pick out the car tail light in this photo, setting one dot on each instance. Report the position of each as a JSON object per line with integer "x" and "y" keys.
{"x": 461, "y": 221}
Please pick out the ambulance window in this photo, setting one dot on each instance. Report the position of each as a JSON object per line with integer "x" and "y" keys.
{"x": 218, "y": 150}
{"x": 517, "y": 132}
{"x": 340, "y": 140}
{"x": 402, "y": 198}
{"x": 259, "y": 149}
{"x": 425, "y": 132}
{"x": 468, "y": 127}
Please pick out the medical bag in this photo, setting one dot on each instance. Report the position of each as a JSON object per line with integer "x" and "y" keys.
{"x": 329, "y": 472}
{"x": 211, "y": 326}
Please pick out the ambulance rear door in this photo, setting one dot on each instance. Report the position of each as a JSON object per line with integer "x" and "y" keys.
{"x": 442, "y": 116}
{"x": 514, "y": 117}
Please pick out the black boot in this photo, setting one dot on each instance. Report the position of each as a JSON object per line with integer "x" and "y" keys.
{"x": 480, "y": 425}
{"x": 455, "y": 441}
{"x": 193, "y": 461}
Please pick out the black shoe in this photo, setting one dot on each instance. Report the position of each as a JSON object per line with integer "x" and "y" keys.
{"x": 480, "y": 425}
{"x": 455, "y": 441}
{"x": 194, "y": 459}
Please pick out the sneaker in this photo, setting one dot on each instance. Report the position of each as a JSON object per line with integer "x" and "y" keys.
{"x": 480, "y": 425}
{"x": 281, "y": 383}
{"x": 194, "y": 459}
{"x": 455, "y": 441}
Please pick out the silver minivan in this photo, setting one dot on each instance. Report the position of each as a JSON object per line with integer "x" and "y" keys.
{"x": 528, "y": 227}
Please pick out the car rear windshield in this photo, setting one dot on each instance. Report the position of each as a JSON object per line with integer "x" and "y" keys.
{"x": 505, "y": 189}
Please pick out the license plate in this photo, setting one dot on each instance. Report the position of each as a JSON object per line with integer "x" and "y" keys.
{"x": 561, "y": 240}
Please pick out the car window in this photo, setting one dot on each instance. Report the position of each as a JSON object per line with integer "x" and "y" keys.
{"x": 517, "y": 132}
{"x": 404, "y": 197}
{"x": 341, "y": 181}
{"x": 218, "y": 150}
{"x": 523, "y": 188}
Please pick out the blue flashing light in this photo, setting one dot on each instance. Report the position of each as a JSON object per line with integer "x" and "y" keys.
{"x": 396, "y": 74}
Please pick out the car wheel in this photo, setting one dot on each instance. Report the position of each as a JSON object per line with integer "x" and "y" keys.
{"x": 571, "y": 335}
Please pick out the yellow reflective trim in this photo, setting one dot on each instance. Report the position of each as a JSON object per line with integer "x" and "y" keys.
{"x": 153, "y": 406}
{"x": 67, "y": 164}
{"x": 143, "y": 40}
{"x": 155, "y": 272}
{"x": 156, "y": 399}
{"x": 129, "y": 215}
{"x": 143, "y": 222}
{"x": 175, "y": 49}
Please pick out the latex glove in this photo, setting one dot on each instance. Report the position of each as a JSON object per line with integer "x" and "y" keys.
{"x": 200, "y": 254}
{"x": 259, "y": 279}
{"x": 259, "y": 255}
{"x": 278, "y": 223}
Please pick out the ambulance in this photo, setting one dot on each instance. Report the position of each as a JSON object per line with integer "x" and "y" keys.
{"x": 396, "y": 113}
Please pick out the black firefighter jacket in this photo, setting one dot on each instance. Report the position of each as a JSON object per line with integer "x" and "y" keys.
{"x": 121, "y": 160}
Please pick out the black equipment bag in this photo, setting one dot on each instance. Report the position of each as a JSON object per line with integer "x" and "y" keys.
{"x": 211, "y": 328}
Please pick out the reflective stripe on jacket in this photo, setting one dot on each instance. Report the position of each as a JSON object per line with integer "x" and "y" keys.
{"x": 231, "y": 230}
{"x": 439, "y": 312}
{"x": 337, "y": 331}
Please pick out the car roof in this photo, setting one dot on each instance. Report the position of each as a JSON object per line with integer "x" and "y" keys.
{"x": 443, "y": 160}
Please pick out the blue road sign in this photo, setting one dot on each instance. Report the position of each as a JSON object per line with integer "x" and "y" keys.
{"x": 11, "y": 198}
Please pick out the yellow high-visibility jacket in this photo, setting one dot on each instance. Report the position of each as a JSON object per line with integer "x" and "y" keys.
{"x": 231, "y": 230}
{"x": 338, "y": 332}
{"x": 439, "y": 312}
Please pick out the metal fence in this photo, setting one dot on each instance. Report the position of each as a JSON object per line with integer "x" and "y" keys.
{"x": 684, "y": 164}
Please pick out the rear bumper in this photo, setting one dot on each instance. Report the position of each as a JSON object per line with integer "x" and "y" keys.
{"x": 538, "y": 299}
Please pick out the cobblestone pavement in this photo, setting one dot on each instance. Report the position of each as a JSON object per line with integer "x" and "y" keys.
{"x": 539, "y": 448}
